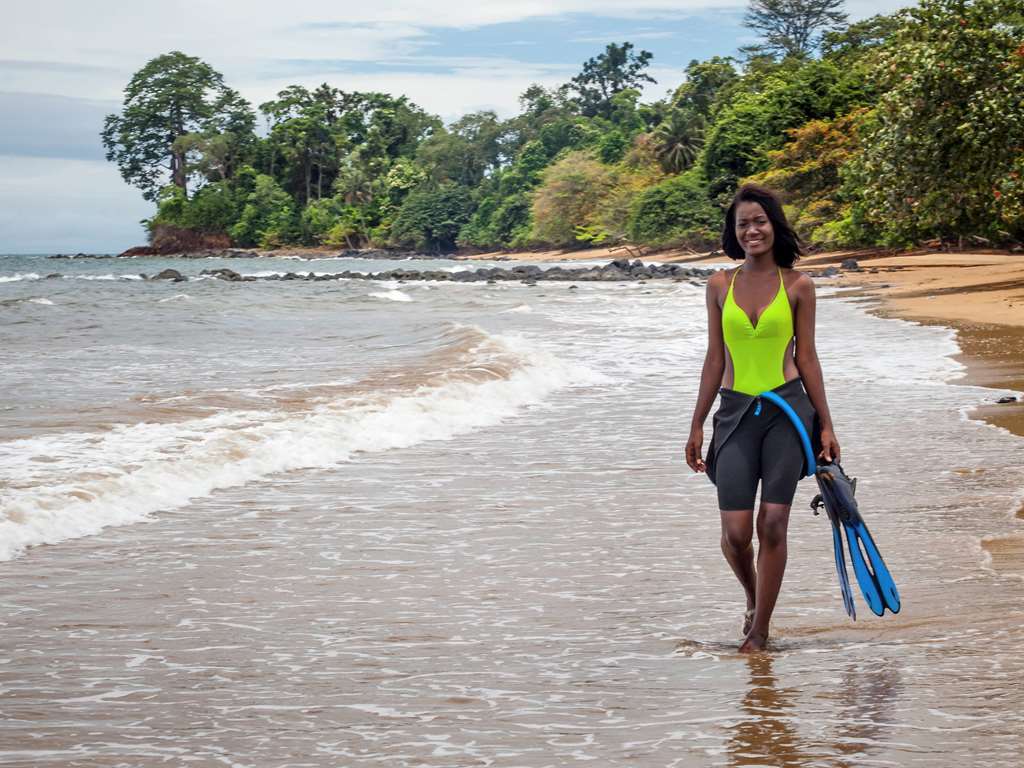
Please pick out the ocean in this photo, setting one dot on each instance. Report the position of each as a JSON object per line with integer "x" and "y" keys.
{"x": 361, "y": 523}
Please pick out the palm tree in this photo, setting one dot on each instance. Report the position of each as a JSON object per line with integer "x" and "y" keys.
{"x": 679, "y": 138}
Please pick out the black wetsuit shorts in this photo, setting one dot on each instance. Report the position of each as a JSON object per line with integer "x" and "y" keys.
{"x": 754, "y": 442}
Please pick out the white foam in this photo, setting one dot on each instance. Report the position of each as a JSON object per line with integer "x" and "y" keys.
{"x": 44, "y": 302}
{"x": 175, "y": 297}
{"x": 522, "y": 309}
{"x": 64, "y": 486}
{"x": 18, "y": 277}
{"x": 392, "y": 295}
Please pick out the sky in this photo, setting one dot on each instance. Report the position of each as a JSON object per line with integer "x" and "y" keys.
{"x": 65, "y": 63}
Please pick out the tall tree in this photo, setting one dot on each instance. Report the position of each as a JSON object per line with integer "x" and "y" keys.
{"x": 171, "y": 96}
{"x": 792, "y": 27}
{"x": 603, "y": 76}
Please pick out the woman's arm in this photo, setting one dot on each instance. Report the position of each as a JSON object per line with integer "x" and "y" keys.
{"x": 710, "y": 375}
{"x": 806, "y": 358}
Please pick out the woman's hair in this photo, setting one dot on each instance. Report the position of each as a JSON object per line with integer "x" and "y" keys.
{"x": 787, "y": 247}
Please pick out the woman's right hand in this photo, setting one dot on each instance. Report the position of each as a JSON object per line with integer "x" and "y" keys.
{"x": 694, "y": 444}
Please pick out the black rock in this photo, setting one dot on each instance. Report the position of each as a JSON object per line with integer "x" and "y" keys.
{"x": 850, "y": 264}
{"x": 1007, "y": 399}
{"x": 169, "y": 274}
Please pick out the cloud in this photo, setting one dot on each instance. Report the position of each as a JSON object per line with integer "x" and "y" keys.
{"x": 51, "y": 205}
{"x": 41, "y": 125}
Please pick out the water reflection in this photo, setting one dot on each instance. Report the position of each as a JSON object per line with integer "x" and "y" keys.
{"x": 768, "y": 734}
{"x": 851, "y": 725}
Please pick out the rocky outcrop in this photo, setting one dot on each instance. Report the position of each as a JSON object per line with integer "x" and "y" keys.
{"x": 166, "y": 240}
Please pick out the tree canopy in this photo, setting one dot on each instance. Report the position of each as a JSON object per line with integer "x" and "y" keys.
{"x": 171, "y": 97}
{"x": 896, "y": 129}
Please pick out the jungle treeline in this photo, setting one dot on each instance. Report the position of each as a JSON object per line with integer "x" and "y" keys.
{"x": 894, "y": 130}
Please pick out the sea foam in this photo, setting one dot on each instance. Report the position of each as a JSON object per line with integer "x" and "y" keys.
{"x": 70, "y": 485}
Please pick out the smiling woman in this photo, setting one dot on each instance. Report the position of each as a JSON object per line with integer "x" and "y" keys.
{"x": 761, "y": 340}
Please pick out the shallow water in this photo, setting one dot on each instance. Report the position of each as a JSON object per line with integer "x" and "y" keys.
{"x": 314, "y": 524}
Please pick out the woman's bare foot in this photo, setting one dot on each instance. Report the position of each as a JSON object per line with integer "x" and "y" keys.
{"x": 748, "y": 620}
{"x": 756, "y": 641}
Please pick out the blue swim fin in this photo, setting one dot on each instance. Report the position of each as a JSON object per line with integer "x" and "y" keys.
{"x": 876, "y": 583}
{"x": 837, "y": 496}
{"x": 844, "y": 579}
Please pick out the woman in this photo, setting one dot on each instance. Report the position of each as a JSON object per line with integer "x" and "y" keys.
{"x": 760, "y": 338}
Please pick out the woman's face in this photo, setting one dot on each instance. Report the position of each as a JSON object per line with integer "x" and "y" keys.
{"x": 754, "y": 229}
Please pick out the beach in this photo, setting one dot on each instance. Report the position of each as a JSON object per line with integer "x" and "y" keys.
{"x": 384, "y": 523}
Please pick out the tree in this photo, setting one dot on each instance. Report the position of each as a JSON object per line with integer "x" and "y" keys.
{"x": 603, "y": 76}
{"x": 679, "y": 139}
{"x": 792, "y": 27}
{"x": 676, "y": 211}
{"x": 806, "y": 171}
{"x": 705, "y": 80}
{"x": 268, "y": 218}
{"x": 569, "y": 198}
{"x": 943, "y": 148}
{"x": 430, "y": 219}
{"x": 171, "y": 96}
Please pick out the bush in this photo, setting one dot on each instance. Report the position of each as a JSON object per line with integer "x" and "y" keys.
{"x": 269, "y": 218}
{"x": 430, "y": 219}
{"x": 570, "y": 197}
{"x": 676, "y": 211}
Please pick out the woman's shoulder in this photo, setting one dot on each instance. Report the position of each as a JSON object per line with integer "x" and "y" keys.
{"x": 797, "y": 281}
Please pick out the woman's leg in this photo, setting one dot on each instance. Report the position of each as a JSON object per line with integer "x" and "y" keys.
{"x": 738, "y": 548}
{"x": 737, "y": 470}
{"x": 781, "y": 466}
{"x": 772, "y": 526}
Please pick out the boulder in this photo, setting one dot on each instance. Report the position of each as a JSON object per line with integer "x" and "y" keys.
{"x": 169, "y": 274}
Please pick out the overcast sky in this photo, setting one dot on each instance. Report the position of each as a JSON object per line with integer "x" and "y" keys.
{"x": 64, "y": 63}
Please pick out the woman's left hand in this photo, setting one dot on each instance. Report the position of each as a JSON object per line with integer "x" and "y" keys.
{"x": 829, "y": 446}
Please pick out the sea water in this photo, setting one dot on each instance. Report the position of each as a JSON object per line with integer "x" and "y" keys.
{"x": 348, "y": 523}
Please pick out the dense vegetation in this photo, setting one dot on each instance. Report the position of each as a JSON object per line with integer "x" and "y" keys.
{"x": 892, "y": 130}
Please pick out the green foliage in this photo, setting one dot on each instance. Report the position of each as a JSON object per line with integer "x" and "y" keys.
{"x": 908, "y": 127}
{"x": 570, "y": 196}
{"x": 679, "y": 138}
{"x": 170, "y": 97}
{"x": 947, "y": 135}
{"x": 603, "y": 76}
{"x": 430, "y": 218}
{"x": 611, "y": 147}
{"x": 676, "y": 211}
{"x": 705, "y": 82}
{"x": 806, "y": 171}
{"x": 755, "y": 121}
{"x": 268, "y": 218}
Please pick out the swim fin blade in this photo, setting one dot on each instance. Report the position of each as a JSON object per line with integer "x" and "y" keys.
{"x": 873, "y": 576}
{"x": 844, "y": 579}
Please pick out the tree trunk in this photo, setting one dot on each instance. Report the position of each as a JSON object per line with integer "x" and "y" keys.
{"x": 309, "y": 170}
{"x": 178, "y": 171}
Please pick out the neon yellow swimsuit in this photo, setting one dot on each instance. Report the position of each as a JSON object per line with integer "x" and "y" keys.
{"x": 757, "y": 352}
